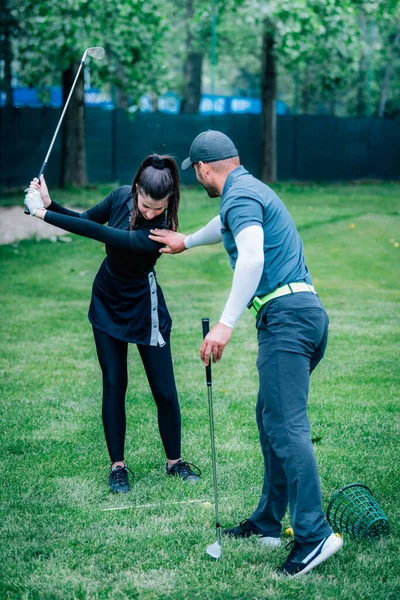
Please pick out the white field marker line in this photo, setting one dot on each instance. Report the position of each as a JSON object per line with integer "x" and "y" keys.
{"x": 157, "y": 505}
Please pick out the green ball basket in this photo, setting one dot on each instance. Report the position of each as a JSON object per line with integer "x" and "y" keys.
{"x": 354, "y": 510}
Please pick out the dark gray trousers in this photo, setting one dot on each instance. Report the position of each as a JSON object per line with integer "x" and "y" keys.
{"x": 292, "y": 336}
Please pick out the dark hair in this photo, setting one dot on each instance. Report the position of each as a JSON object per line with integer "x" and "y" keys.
{"x": 158, "y": 178}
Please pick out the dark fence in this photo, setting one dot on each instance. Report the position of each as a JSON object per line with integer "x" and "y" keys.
{"x": 312, "y": 148}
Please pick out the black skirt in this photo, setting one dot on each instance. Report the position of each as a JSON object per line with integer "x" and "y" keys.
{"x": 131, "y": 310}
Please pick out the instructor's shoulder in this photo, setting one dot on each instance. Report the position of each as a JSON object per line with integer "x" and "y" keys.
{"x": 244, "y": 196}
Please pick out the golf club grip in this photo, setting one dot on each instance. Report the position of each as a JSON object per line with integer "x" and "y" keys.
{"x": 42, "y": 170}
{"x": 206, "y": 328}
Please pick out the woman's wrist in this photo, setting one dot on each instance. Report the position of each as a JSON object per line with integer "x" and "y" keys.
{"x": 46, "y": 201}
{"x": 40, "y": 213}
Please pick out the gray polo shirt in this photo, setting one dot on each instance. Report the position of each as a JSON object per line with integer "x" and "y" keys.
{"x": 247, "y": 201}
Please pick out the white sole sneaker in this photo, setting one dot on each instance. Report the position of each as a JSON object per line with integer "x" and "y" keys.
{"x": 325, "y": 550}
{"x": 270, "y": 542}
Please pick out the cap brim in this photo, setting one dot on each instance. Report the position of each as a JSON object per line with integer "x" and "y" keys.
{"x": 187, "y": 163}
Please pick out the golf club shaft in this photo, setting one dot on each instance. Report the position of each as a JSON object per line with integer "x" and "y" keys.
{"x": 206, "y": 328}
{"x": 214, "y": 465}
{"x": 62, "y": 115}
{"x": 44, "y": 165}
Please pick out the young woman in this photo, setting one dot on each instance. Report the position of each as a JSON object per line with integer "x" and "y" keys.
{"x": 127, "y": 303}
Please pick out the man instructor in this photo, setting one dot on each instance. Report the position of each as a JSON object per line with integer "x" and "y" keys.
{"x": 272, "y": 279}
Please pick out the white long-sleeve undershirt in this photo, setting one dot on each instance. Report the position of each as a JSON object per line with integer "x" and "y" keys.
{"x": 210, "y": 234}
{"x": 248, "y": 270}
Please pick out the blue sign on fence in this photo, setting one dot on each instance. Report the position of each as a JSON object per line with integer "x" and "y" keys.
{"x": 167, "y": 103}
{"x": 245, "y": 105}
{"x": 217, "y": 105}
{"x": 25, "y": 96}
{"x": 221, "y": 105}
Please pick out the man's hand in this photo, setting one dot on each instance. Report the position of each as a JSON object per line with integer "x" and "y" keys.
{"x": 33, "y": 200}
{"x": 42, "y": 187}
{"x": 172, "y": 239}
{"x": 215, "y": 342}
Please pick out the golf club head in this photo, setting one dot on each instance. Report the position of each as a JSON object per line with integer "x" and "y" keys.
{"x": 214, "y": 550}
{"x": 96, "y": 52}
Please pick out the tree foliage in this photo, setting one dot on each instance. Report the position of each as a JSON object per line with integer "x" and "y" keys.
{"x": 324, "y": 57}
{"x": 330, "y": 56}
{"x": 55, "y": 38}
{"x": 56, "y": 35}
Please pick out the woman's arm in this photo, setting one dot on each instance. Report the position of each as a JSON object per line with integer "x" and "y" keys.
{"x": 136, "y": 241}
{"x": 100, "y": 213}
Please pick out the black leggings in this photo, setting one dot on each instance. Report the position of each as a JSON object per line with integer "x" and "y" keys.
{"x": 157, "y": 361}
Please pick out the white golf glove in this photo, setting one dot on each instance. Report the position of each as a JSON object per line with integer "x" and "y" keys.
{"x": 33, "y": 200}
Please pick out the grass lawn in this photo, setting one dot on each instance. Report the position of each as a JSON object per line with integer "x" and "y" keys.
{"x": 59, "y": 540}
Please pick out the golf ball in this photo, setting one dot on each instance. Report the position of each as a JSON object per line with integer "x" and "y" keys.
{"x": 207, "y": 504}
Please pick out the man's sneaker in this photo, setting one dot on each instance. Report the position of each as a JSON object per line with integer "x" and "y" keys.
{"x": 118, "y": 480}
{"x": 185, "y": 470}
{"x": 270, "y": 542}
{"x": 304, "y": 557}
{"x": 247, "y": 528}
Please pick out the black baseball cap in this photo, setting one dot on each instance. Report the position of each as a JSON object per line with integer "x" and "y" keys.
{"x": 210, "y": 146}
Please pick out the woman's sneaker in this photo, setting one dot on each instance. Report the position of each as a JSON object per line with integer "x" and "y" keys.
{"x": 304, "y": 557}
{"x": 119, "y": 481}
{"x": 185, "y": 470}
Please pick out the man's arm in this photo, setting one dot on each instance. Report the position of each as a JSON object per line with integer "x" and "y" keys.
{"x": 247, "y": 275}
{"x": 178, "y": 242}
{"x": 210, "y": 234}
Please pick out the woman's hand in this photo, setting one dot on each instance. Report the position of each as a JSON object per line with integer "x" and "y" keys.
{"x": 43, "y": 189}
{"x": 33, "y": 200}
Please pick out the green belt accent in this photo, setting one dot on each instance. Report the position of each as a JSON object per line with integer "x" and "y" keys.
{"x": 284, "y": 290}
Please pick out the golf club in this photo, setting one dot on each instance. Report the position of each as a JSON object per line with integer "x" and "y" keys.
{"x": 213, "y": 550}
{"x": 96, "y": 52}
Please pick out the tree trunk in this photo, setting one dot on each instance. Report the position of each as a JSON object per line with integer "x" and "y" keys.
{"x": 332, "y": 104}
{"x": 193, "y": 68}
{"x": 193, "y": 71}
{"x": 387, "y": 76}
{"x": 361, "y": 102}
{"x": 362, "y": 69}
{"x": 306, "y": 93}
{"x": 73, "y": 154}
{"x": 268, "y": 101}
{"x": 121, "y": 97}
{"x": 7, "y": 55}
